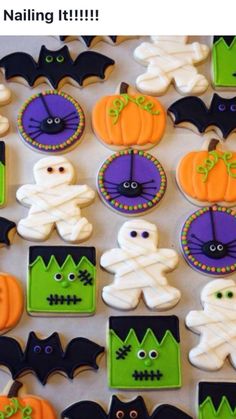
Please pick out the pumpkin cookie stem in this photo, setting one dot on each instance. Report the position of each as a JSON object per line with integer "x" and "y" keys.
{"x": 14, "y": 389}
{"x": 124, "y": 87}
{"x": 213, "y": 144}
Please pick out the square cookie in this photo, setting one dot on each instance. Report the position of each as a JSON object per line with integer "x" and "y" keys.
{"x": 216, "y": 400}
{"x": 144, "y": 352}
{"x": 61, "y": 280}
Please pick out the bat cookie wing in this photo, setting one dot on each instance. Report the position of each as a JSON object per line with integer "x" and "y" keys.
{"x": 166, "y": 411}
{"x": 11, "y": 356}
{"x": 20, "y": 64}
{"x": 84, "y": 410}
{"x": 190, "y": 112}
{"x": 90, "y": 64}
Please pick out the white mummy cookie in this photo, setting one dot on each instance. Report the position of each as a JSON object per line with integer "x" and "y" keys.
{"x": 139, "y": 268}
{"x": 55, "y": 202}
{"x": 217, "y": 325}
{"x": 169, "y": 59}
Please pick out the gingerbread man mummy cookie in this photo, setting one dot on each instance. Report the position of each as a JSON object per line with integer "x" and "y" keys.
{"x": 55, "y": 202}
{"x": 139, "y": 268}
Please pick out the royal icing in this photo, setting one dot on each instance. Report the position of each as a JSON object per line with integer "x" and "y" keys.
{"x": 170, "y": 59}
{"x": 51, "y": 121}
{"x": 192, "y": 113}
{"x": 2, "y": 174}
{"x": 131, "y": 182}
{"x": 54, "y": 201}
{"x": 44, "y": 357}
{"x": 223, "y": 61}
{"x": 144, "y": 352}
{"x": 61, "y": 280}
{"x": 7, "y": 231}
{"x": 4, "y": 125}
{"x": 129, "y": 120}
{"x": 139, "y": 267}
{"x": 11, "y": 303}
{"x": 216, "y": 324}
{"x": 57, "y": 67}
{"x": 208, "y": 240}
{"x": 5, "y": 95}
{"x": 216, "y": 400}
{"x": 90, "y": 41}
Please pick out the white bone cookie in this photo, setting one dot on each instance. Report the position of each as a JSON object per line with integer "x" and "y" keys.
{"x": 169, "y": 59}
{"x": 216, "y": 324}
{"x": 55, "y": 202}
{"x": 139, "y": 267}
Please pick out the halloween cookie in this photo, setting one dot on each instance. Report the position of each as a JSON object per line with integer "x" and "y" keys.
{"x": 90, "y": 41}
{"x": 51, "y": 122}
{"x": 56, "y": 67}
{"x": 216, "y": 400}
{"x": 7, "y": 231}
{"x": 44, "y": 357}
{"x": 131, "y": 182}
{"x": 139, "y": 267}
{"x": 3, "y": 197}
{"x": 144, "y": 352}
{"x": 217, "y": 325}
{"x": 208, "y": 176}
{"x": 208, "y": 240}
{"x": 223, "y": 61}
{"x": 61, "y": 280}
{"x": 192, "y": 113}
{"x": 128, "y": 119}
{"x": 170, "y": 59}
{"x": 5, "y": 95}
{"x": 55, "y": 201}
{"x": 15, "y": 403}
{"x": 132, "y": 409}
{"x": 11, "y": 302}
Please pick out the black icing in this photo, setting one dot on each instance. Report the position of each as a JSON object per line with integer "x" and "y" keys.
{"x": 130, "y": 189}
{"x": 228, "y": 39}
{"x": 88, "y": 39}
{"x": 55, "y": 66}
{"x": 5, "y": 227}
{"x": 2, "y": 152}
{"x": 215, "y": 249}
{"x": 61, "y": 252}
{"x": 216, "y": 390}
{"x": 166, "y": 411}
{"x": 52, "y": 125}
{"x": 191, "y": 109}
{"x": 121, "y": 325}
{"x": 43, "y": 357}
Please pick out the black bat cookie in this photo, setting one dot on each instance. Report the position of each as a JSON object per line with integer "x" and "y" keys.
{"x": 44, "y": 357}
{"x": 56, "y": 66}
{"x": 90, "y": 40}
{"x": 7, "y": 228}
{"x": 135, "y": 409}
{"x": 192, "y": 110}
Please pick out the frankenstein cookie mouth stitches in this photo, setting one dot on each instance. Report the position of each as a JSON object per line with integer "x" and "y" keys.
{"x": 61, "y": 280}
{"x": 144, "y": 352}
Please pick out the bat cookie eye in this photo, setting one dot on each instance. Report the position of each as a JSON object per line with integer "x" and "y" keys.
{"x": 49, "y": 169}
{"x": 120, "y": 414}
{"x": 230, "y": 294}
{"x": 145, "y": 234}
{"x": 141, "y": 354}
{"x": 133, "y": 233}
{"x": 233, "y": 108}
{"x": 58, "y": 276}
{"x": 221, "y": 107}
{"x": 71, "y": 277}
{"x": 219, "y": 295}
{"x": 153, "y": 354}
{"x": 133, "y": 414}
{"x": 49, "y": 59}
{"x": 61, "y": 169}
{"x": 60, "y": 59}
{"x": 37, "y": 349}
{"x": 48, "y": 350}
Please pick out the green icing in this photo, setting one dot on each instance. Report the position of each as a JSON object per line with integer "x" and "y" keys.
{"x": 45, "y": 294}
{"x": 122, "y": 372}
{"x": 207, "y": 410}
{"x": 15, "y": 407}
{"x": 2, "y": 184}
{"x": 212, "y": 161}
{"x": 224, "y": 63}
{"x": 120, "y": 103}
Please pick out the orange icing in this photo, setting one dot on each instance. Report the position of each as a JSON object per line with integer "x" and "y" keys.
{"x": 11, "y": 301}
{"x": 41, "y": 409}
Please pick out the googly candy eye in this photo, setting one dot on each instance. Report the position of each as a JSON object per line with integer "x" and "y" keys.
{"x": 133, "y": 414}
{"x": 153, "y": 354}
{"x": 120, "y": 414}
{"x": 71, "y": 277}
{"x": 141, "y": 354}
{"x": 58, "y": 276}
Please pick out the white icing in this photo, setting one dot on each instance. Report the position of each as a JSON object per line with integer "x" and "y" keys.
{"x": 4, "y": 125}
{"x": 5, "y": 95}
{"x": 170, "y": 59}
{"x": 139, "y": 268}
{"x": 217, "y": 325}
{"x": 54, "y": 202}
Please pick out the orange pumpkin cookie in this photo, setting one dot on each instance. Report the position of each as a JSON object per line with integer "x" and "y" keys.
{"x": 11, "y": 302}
{"x": 129, "y": 120}
{"x": 26, "y": 406}
{"x": 208, "y": 176}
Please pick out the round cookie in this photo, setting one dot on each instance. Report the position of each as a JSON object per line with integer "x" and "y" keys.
{"x": 51, "y": 122}
{"x": 208, "y": 240}
{"x": 131, "y": 182}
{"x": 129, "y": 119}
{"x": 11, "y": 302}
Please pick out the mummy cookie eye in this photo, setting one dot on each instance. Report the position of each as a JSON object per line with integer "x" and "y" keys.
{"x": 230, "y": 294}
{"x": 71, "y": 277}
{"x": 58, "y": 276}
{"x": 61, "y": 169}
{"x": 37, "y": 349}
{"x": 141, "y": 354}
{"x": 49, "y": 169}
{"x": 221, "y": 107}
{"x": 145, "y": 234}
{"x": 153, "y": 354}
{"x": 219, "y": 295}
{"x": 133, "y": 233}
{"x": 48, "y": 350}
{"x": 133, "y": 414}
{"x": 120, "y": 414}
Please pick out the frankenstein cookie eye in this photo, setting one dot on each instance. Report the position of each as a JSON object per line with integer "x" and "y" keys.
{"x": 153, "y": 354}
{"x": 141, "y": 354}
{"x": 120, "y": 414}
{"x": 71, "y": 277}
{"x": 58, "y": 276}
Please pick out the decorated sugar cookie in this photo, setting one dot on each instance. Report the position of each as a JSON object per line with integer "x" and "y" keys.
{"x": 208, "y": 240}
{"x": 61, "y": 280}
{"x": 90, "y": 41}
{"x": 7, "y": 231}
{"x": 131, "y": 182}
{"x": 4, "y": 125}
{"x": 170, "y": 59}
{"x": 144, "y": 352}
{"x": 11, "y": 302}
{"x": 51, "y": 122}
{"x": 133, "y": 409}
{"x": 2, "y": 173}
{"x": 44, "y": 357}
{"x": 15, "y": 403}
{"x": 56, "y": 67}
{"x": 55, "y": 201}
{"x": 128, "y": 119}
{"x": 216, "y": 324}
{"x": 223, "y": 61}
{"x": 139, "y": 267}
{"x": 192, "y": 113}
{"x": 5, "y": 95}
{"x": 216, "y": 400}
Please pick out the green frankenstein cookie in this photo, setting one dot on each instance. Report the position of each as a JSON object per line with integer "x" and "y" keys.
{"x": 144, "y": 352}
{"x": 223, "y": 59}
{"x": 61, "y": 280}
{"x": 217, "y": 400}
